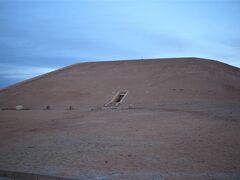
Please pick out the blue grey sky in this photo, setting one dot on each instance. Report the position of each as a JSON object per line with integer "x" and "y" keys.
{"x": 38, "y": 36}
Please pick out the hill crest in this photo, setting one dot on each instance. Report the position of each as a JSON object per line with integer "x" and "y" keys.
{"x": 147, "y": 83}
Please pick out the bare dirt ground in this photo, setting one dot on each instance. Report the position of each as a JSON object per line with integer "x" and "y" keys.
{"x": 198, "y": 140}
{"x": 180, "y": 119}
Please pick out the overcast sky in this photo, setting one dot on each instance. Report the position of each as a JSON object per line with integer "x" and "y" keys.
{"x": 38, "y": 36}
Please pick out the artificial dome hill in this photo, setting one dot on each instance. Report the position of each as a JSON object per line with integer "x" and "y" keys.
{"x": 172, "y": 119}
{"x": 147, "y": 83}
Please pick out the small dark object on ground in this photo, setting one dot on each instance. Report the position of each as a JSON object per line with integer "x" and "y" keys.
{"x": 7, "y": 108}
{"x": 70, "y": 107}
{"x": 47, "y": 107}
{"x": 26, "y": 108}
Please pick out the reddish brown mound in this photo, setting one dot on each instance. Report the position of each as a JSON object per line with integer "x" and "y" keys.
{"x": 177, "y": 119}
{"x": 148, "y": 82}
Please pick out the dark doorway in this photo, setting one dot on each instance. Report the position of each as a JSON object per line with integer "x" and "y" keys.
{"x": 117, "y": 99}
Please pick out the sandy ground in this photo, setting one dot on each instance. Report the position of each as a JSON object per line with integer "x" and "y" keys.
{"x": 197, "y": 140}
{"x": 179, "y": 120}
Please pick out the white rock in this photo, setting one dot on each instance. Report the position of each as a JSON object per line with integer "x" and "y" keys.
{"x": 19, "y": 107}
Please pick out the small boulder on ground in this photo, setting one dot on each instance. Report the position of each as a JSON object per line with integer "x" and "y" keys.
{"x": 19, "y": 107}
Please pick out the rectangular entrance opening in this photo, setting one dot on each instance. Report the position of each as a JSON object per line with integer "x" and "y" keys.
{"x": 120, "y": 97}
{"x": 117, "y": 99}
